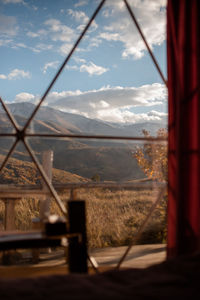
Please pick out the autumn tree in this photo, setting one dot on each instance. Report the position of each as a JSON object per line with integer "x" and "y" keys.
{"x": 152, "y": 157}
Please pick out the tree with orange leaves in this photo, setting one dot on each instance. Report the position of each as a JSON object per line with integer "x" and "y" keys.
{"x": 152, "y": 157}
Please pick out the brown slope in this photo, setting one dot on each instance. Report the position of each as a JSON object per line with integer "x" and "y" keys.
{"x": 20, "y": 172}
{"x": 110, "y": 163}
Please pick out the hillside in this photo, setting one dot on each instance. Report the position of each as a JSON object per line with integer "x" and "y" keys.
{"x": 111, "y": 160}
{"x": 116, "y": 164}
{"x": 20, "y": 172}
{"x": 110, "y": 163}
{"x": 74, "y": 123}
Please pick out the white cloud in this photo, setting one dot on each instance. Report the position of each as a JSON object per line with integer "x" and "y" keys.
{"x": 94, "y": 42}
{"x": 37, "y": 48}
{"x": 151, "y": 18}
{"x": 14, "y": 45}
{"x": 79, "y": 60}
{"x": 8, "y": 25}
{"x": 93, "y": 27}
{"x": 71, "y": 67}
{"x": 81, "y": 3}
{"x": 25, "y": 3}
{"x": 90, "y": 68}
{"x": 93, "y": 69}
{"x": 44, "y": 47}
{"x": 38, "y": 34}
{"x": 126, "y": 116}
{"x": 155, "y": 113}
{"x": 16, "y": 74}
{"x": 2, "y": 76}
{"x": 65, "y": 48}
{"x": 34, "y": 7}
{"x": 13, "y": 1}
{"x": 60, "y": 32}
{"x": 117, "y": 97}
{"x": 52, "y": 64}
{"x": 79, "y": 16}
{"x": 5, "y": 42}
{"x": 82, "y": 18}
{"x": 24, "y": 97}
{"x": 21, "y": 45}
{"x": 113, "y": 103}
{"x": 110, "y": 36}
{"x": 32, "y": 34}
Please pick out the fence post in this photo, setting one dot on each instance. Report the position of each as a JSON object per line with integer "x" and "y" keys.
{"x": 9, "y": 256}
{"x": 37, "y": 223}
{"x": 9, "y": 223}
{"x": 47, "y": 163}
{"x": 73, "y": 194}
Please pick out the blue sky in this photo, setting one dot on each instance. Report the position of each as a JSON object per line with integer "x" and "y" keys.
{"x": 110, "y": 77}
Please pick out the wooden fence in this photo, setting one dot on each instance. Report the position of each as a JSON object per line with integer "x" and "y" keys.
{"x": 12, "y": 193}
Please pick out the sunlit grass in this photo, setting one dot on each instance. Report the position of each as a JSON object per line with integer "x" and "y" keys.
{"x": 113, "y": 217}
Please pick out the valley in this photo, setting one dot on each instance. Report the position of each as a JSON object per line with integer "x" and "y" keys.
{"x": 109, "y": 160}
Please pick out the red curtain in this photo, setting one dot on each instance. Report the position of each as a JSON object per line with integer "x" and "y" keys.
{"x": 183, "y": 55}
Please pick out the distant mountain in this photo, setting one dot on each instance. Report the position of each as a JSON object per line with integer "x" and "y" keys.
{"x": 63, "y": 122}
{"x": 111, "y": 160}
{"x": 138, "y": 128}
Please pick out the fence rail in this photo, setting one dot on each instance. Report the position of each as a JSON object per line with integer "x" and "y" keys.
{"x": 16, "y": 191}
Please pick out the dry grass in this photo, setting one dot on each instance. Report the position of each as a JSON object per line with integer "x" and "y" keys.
{"x": 113, "y": 217}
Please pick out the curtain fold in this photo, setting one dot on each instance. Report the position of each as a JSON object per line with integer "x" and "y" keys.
{"x": 183, "y": 56}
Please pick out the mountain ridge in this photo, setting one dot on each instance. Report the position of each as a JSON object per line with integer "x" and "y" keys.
{"x": 111, "y": 160}
{"x": 78, "y": 124}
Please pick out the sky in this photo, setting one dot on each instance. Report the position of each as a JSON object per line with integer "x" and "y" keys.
{"x": 110, "y": 76}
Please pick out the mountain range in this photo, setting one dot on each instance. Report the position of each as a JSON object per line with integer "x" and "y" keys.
{"x": 49, "y": 119}
{"x": 111, "y": 160}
